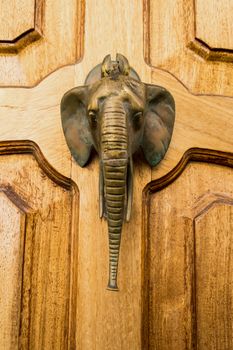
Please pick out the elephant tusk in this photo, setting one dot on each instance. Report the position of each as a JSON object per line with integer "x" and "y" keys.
{"x": 101, "y": 192}
{"x": 129, "y": 190}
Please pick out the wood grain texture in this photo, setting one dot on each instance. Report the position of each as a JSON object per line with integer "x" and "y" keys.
{"x": 201, "y": 121}
{"x": 16, "y": 17}
{"x": 37, "y": 249}
{"x": 54, "y": 40}
{"x": 25, "y": 27}
{"x": 214, "y": 276}
{"x": 12, "y": 228}
{"x": 109, "y": 320}
{"x": 214, "y": 23}
{"x": 34, "y": 114}
{"x": 187, "y": 230}
{"x": 171, "y": 44}
{"x": 101, "y": 319}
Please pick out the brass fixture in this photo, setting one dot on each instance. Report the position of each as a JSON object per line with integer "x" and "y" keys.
{"x": 115, "y": 113}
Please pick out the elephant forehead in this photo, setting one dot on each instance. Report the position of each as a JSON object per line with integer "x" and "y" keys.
{"x": 124, "y": 88}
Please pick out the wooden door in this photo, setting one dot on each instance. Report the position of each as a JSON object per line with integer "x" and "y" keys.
{"x": 175, "y": 272}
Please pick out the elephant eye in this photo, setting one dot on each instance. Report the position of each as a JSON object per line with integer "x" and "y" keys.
{"x": 137, "y": 119}
{"x": 137, "y": 116}
{"x": 93, "y": 116}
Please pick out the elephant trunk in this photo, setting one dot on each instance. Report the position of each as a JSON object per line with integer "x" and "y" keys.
{"x": 115, "y": 163}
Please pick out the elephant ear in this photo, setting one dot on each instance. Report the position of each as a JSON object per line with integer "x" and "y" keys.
{"x": 159, "y": 120}
{"x": 75, "y": 124}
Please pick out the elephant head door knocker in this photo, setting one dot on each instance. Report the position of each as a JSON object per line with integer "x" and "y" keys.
{"x": 115, "y": 113}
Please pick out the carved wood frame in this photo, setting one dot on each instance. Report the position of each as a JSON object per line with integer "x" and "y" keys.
{"x": 30, "y": 147}
{"x": 191, "y": 155}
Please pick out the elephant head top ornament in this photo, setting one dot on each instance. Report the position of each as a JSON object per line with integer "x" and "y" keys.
{"x": 115, "y": 114}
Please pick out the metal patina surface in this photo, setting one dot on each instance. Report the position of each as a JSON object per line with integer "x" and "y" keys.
{"x": 115, "y": 114}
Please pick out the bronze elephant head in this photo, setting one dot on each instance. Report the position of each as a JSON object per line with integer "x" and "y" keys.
{"x": 115, "y": 114}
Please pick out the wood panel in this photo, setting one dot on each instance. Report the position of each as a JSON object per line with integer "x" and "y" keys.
{"x": 105, "y": 319}
{"x": 38, "y": 235}
{"x": 201, "y": 121}
{"x": 188, "y": 263}
{"x": 12, "y": 228}
{"x": 51, "y": 36}
{"x": 171, "y": 43}
{"x": 214, "y": 275}
{"x": 109, "y": 320}
{"x": 34, "y": 114}
{"x": 25, "y": 26}
{"x": 16, "y": 17}
{"x": 215, "y": 29}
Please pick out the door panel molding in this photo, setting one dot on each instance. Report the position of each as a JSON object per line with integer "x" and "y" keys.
{"x": 30, "y": 147}
{"x": 193, "y": 154}
{"x": 39, "y": 250}
{"x": 179, "y": 39}
{"x": 48, "y": 35}
{"x": 190, "y": 222}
